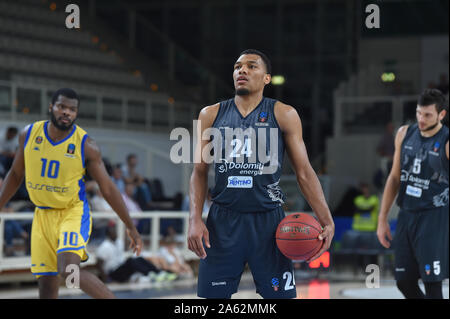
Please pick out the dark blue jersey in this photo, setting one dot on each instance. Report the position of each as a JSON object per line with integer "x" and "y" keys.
{"x": 424, "y": 171}
{"x": 248, "y": 159}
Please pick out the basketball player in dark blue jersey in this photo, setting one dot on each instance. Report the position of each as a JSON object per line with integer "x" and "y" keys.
{"x": 419, "y": 176}
{"x": 247, "y": 198}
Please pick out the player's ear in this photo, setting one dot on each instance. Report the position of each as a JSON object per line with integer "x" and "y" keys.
{"x": 442, "y": 114}
{"x": 267, "y": 79}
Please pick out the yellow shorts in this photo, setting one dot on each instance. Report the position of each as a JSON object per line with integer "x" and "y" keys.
{"x": 56, "y": 231}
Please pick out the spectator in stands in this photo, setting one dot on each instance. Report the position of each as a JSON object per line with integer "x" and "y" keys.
{"x": 143, "y": 225}
{"x": 13, "y": 229}
{"x": 130, "y": 175}
{"x": 8, "y": 147}
{"x": 129, "y": 200}
{"x": 117, "y": 178}
{"x": 365, "y": 218}
{"x": 362, "y": 238}
{"x": 172, "y": 255}
{"x": 113, "y": 264}
{"x": 99, "y": 204}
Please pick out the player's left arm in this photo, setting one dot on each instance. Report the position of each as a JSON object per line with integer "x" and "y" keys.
{"x": 96, "y": 169}
{"x": 291, "y": 126}
{"x": 446, "y": 149}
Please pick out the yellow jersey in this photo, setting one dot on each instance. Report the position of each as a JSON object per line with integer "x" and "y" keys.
{"x": 54, "y": 171}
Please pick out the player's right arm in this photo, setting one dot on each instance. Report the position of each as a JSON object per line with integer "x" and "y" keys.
{"x": 15, "y": 176}
{"x": 390, "y": 191}
{"x": 198, "y": 185}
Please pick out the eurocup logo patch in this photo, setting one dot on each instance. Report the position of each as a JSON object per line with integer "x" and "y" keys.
{"x": 71, "y": 149}
{"x": 436, "y": 147}
{"x": 427, "y": 269}
{"x": 39, "y": 140}
{"x": 262, "y": 117}
{"x": 275, "y": 283}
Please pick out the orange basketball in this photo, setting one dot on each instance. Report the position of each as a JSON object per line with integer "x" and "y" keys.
{"x": 297, "y": 236}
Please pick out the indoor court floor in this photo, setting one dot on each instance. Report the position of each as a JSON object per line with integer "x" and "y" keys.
{"x": 323, "y": 287}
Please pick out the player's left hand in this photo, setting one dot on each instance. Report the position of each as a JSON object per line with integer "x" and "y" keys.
{"x": 136, "y": 241}
{"x": 327, "y": 236}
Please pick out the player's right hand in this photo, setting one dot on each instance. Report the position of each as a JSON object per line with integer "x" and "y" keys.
{"x": 384, "y": 234}
{"x": 135, "y": 240}
{"x": 197, "y": 232}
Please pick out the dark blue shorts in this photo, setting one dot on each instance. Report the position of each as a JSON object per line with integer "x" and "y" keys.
{"x": 421, "y": 245}
{"x": 240, "y": 238}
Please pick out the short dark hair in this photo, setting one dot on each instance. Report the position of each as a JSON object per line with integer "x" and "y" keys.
{"x": 130, "y": 156}
{"x": 12, "y": 130}
{"x": 433, "y": 96}
{"x": 263, "y": 57}
{"x": 67, "y": 92}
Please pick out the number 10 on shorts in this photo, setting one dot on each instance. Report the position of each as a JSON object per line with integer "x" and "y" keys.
{"x": 70, "y": 238}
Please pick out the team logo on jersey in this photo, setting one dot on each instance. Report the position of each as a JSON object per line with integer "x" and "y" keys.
{"x": 262, "y": 118}
{"x": 427, "y": 269}
{"x": 275, "y": 283}
{"x": 71, "y": 149}
{"x": 436, "y": 146}
{"x": 39, "y": 140}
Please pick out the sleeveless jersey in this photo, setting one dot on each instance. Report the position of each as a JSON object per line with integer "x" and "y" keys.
{"x": 54, "y": 171}
{"x": 424, "y": 171}
{"x": 248, "y": 158}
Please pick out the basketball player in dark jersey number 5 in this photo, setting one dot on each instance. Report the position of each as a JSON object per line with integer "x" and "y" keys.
{"x": 419, "y": 176}
{"x": 247, "y": 198}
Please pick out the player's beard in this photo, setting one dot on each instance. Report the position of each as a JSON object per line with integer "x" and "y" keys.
{"x": 431, "y": 127}
{"x": 242, "y": 92}
{"x": 60, "y": 126}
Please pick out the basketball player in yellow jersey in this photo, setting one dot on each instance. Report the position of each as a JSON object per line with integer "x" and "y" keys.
{"x": 53, "y": 157}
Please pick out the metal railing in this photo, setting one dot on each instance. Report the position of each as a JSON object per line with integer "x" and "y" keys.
{"x": 151, "y": 241}
{"x": 102, "y": 108}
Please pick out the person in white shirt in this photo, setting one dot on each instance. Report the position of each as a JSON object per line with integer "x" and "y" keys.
{"x": 131, "y": 204}
{"x": 112, "y": 262}
{"x": 172, "y": 255}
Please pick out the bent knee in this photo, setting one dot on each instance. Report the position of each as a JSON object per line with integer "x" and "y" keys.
{"x": 68, "y": 263}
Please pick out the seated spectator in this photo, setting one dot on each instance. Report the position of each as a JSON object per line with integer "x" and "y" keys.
{"x": 172, "y": 255}
{"x": 365, "y": 217}
{"x": 99, "y": 205}
{"x": 142, "y": 225}
{"x": 117, "y": 178}
{"x": 130, "y": 175}
{"x": 113, "y": 265}
{"x": 8, "y": 147}
{"x": 13, "y": 229}
{"x": 128, "y": 198}
{"x": 98, "y": 202}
